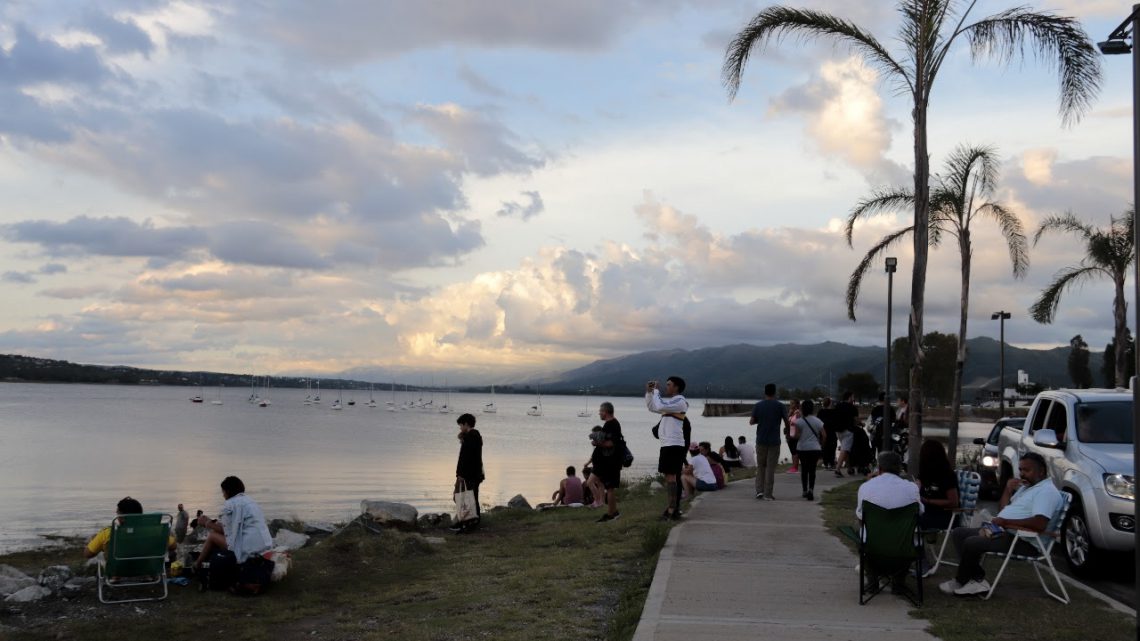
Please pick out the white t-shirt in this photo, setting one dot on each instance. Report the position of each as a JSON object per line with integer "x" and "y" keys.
{"x": 1041, "y": 499}
{"x": 671, "y": 431}
{"x": 702, "y": 470}
{"x": 888, "y": 491}
{"x": 747, "y": 454}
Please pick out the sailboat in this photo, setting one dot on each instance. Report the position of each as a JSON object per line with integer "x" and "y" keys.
{"x": 309, "y": 395}
{"x": 371, "y": 399}
{"x": 490, "y": 408}
{"x": 446, "y": 407}
{"x": 336, "y": 404}
{"x": 253, "y": 389}
{"x": 391, "y": 405}
{"x": 218, "y": 400}
{"x": 317, "y": 398}
{"x": 585, "y": 413}
{"x": 536, "y": 409}
{"x": 264, "y": 402}
{"x": 197, "y": 398}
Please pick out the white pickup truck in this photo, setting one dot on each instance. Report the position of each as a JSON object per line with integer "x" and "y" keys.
{"x": 1086, "y": 438}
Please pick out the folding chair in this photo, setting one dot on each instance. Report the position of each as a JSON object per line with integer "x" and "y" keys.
{"x": 135, "y": 555}
{"x": 1042, "y": 546}
{"x": 969, "y": 485}
{"x": 889, "y": 545}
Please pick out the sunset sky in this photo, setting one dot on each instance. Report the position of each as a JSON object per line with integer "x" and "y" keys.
{"x": 497, "y": 188}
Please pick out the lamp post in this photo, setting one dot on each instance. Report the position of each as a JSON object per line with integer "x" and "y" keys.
{"x": 892, "y": 265}
{"x": 1118, "y": 43}
{"x": 1001, "y": 317}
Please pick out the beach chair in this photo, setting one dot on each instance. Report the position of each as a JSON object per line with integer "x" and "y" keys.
{"x": 889, "y": 546}
{"x": 135, "y": 556}
{"x": 969, "y": 485}
{"x": 1038, "y": 550}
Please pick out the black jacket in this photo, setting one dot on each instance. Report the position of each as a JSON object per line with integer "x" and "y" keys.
{"x": 470, "y": 465}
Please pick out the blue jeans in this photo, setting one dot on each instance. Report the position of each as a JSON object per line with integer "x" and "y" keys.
{"x": 706, "y": 487}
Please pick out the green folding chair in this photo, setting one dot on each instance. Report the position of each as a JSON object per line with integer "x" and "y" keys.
{"x": 135, "y": 556}
{"x": 889, "y": 546}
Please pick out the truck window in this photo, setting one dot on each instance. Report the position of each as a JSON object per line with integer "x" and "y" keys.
{"x": 1108, "y": 422}
{"x": 1039, "y": 414}
{"x": 1058, "y": 420}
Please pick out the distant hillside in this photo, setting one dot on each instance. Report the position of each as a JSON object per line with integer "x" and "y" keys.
{"x": 742, "y": 370}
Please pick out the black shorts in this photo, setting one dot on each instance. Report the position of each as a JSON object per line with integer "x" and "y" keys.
{"x": 671, "y": 459}
{"x": 792, "y": 442}
{"x": 609, "y": 476}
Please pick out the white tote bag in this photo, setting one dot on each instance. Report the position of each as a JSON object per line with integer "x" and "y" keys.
{"x": 465, "y": 504}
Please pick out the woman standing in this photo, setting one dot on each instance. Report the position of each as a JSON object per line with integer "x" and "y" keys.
{"x": 812, "y": 435}
{"x": 792, "y": 436}
{"x": 469, "y": 469}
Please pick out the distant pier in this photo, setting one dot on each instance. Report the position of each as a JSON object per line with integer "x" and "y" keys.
{"x": 715, "y": 408}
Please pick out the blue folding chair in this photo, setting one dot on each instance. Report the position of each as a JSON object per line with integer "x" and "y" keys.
{"x": 1041, "y": 545}
{"x": 969, "y": 485}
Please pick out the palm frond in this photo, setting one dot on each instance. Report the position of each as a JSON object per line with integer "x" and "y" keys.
{"x": 976, "y": 164}
{"x": 1014, "y": 234}
{"x": 1060, "y": 39}
{"x": 881, "y": 201}
{"x": 856, "y": 280}
{"x": 1044, "y": 309}
{"x": 775, "y": 23}
{"x": 1064, "y": 222}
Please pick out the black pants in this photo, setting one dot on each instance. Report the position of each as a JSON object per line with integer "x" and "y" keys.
{"x": 829, "y": 445}
{"x": 808, "y": 461}
{"x": 972, "y": 546}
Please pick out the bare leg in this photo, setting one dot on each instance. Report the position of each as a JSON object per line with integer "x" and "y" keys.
{"x": 611, "y": 501}
{"x": 672, "y": 492}
{"x": 690, "y": 483}
{"x": 215, "y": 541}
{"x": 597, "y": 489}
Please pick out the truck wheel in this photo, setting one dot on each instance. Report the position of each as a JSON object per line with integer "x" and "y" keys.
{"x": 1078, "y": 548}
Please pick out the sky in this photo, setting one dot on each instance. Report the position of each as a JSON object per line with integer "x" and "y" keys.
{"x": 494, "y": 190}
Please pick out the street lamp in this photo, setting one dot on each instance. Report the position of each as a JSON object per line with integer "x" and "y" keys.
{"x": 1001, "y": 316}
{"x": 892, "y": 265}
{"x": 1118, "y": 43}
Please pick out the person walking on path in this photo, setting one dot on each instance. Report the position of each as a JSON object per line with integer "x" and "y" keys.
{"x": 607, "y": 461}
{"x": 791, "y": 436}
{"x": 812, "y": 436}
{"x": 830, "y": 442}
{"x": 846, "y": 416}
{"x": 768, "y": 415}
{"x": 672, "y": 408}
{"x": 469, "y": 468}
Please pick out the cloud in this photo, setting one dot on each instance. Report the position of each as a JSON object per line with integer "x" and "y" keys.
{"x": 485, "y": 145}
{"x": 19, "y": 278}
{"x": 105, "y": 237}
{"x": 530, "y": 209}
{"x": 118, "y": 36}
{"x": 480, "y": 84}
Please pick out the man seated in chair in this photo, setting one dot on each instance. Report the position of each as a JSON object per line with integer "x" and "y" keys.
{"x": 98, "y": 543}
{"x": 1027, "y": 503}
{"x": 889, "y": 491}
{"x": 240, "y": 528}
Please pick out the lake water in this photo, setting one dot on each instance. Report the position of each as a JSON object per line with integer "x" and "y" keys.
{"x": 68, "y": 453}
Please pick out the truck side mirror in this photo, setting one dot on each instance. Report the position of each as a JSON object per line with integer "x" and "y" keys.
{"x": 1045, "y": 438}
{"x": 979, "y": 441}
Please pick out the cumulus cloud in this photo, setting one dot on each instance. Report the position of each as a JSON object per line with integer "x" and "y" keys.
{"x": 531, "y": 208}
{"x": 117, "y": 36}
{"x": 105, "y": 237}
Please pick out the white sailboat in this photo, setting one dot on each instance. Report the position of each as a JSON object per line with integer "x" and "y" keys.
{"x": 218, "y": 400}
{"x": 264, "y": 402}
{"x": 371, "y": 398}
{"x": 585, "y": 413}
{"x": 317, "y": 398}
{"x": 391, "y": 405}
{"x": 490, "y": 408}
{"x": 536, "y": 409}
{"x": 309, "y": 392}
{"x": 336, "y": 404}
{"x": 446, "y": 407}
{"x": 253, "y": 398}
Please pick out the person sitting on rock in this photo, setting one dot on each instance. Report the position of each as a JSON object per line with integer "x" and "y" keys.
{"x": 98, "y": 543}
{"x": 240, "y": 528}
{"x": 569, "y": 489}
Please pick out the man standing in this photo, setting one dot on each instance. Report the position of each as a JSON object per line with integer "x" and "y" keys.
{"x": 826, "y": 414}
{"x": 1028, "y": 503}
{"x": 846, "y": 416}
{"x": 181, "y": 524}
{"x": 768, "y": 416}
{"x": 671, "y": 459}
{"x": 607, "y": 461}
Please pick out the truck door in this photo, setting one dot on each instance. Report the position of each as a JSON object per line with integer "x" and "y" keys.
{"x": 1058, "y": 421}
{"x": 1036, "y": 422}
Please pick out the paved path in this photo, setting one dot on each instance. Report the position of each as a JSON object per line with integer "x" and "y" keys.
{"x": 739, "y": 568}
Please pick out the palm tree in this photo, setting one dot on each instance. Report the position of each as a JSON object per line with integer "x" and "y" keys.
{"x": 962, "y": 194}
{"x": 1108, "y": 252}
{"x": 928, "y": 31}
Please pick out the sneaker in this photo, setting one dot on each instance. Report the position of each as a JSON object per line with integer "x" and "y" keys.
{"x": 930, "y": 571}
{"x": 950, "y": 587}
{"x": 973, "y": 587}
{"x": 793, "y": 470}
{"x": 769, "y": 497}
{"x": 678, "y": 516}
{"x": 759, "y": 496}
{"x": 810, "y": 496}
{"x": 609, "y": 517}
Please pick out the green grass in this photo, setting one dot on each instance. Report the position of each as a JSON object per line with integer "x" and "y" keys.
{"x": 1019, "y": 609}
{"x": 523, "y": 575}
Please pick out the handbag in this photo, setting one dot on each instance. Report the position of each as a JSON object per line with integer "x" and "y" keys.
{"x": 465, "y": 504}
{"x": 655, "y": 428}
{"x": 626, "y": 455}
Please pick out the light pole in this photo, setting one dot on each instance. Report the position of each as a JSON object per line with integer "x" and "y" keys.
{"x": 892, "y": 265}
{"x": 1118, "y": 43}
{"x": 1001, "y": 316}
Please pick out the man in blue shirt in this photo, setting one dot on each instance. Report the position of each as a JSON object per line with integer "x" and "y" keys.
{"x": 769, "y": 415}
{"x": 1028, "y": 503}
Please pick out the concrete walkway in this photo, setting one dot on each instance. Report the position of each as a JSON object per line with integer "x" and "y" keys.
{"x": 739, "y": 568}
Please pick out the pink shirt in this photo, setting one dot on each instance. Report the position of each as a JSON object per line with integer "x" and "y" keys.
{"x": 573, "y": 492}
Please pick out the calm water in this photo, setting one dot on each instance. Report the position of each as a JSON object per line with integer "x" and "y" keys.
{"x": 68, "y": 453}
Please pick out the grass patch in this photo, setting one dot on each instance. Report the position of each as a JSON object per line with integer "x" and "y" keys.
{"x": 1019, "y": 608}
{"x": 523, "y": 575}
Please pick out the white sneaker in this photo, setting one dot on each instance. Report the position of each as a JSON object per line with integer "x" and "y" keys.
{"x": 950, "y": 587}
{"x": 973, "y": 587}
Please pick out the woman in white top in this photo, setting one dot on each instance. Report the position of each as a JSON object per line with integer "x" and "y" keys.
{"x": 730, "y": 454}
{"x": 811, "y": 435}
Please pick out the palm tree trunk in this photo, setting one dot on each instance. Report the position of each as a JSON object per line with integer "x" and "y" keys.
{"x": 960, "y": 364}
{"x": 918, "y": 273}
{"x": 1120, "y": 318}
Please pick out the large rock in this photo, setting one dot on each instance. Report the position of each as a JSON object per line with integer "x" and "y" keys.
{"x": 518, "y": 502}
{"x": 389, "y": 513}
{"x": 11, "y": 572}
{"x": 54, "y": 577}
{"x": 11, "y": 585}
{"x": 28, "y": 594}
{"x": 287, "y": 540}
{"x": 438, "y": 520}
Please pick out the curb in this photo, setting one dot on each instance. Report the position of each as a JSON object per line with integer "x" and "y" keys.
{"x": 656, "y": 596}
{"x": 1097, "y": 594}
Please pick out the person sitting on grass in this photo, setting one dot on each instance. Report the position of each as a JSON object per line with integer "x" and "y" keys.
{"x": 716, "y": 462}
{"x": 240, "y": 528}
{"x": 698, "y": 474}
{"x": 98, "y": 543}
{"x": 730, "y": 455}
{"x": 747, "y": 453}
{"x": 569, "y": 489}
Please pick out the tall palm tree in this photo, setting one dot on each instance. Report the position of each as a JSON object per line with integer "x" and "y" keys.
{"x": 1108, "y": 252}
{"x": 928, "y": 31}
{"x": 961, "y": 195}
